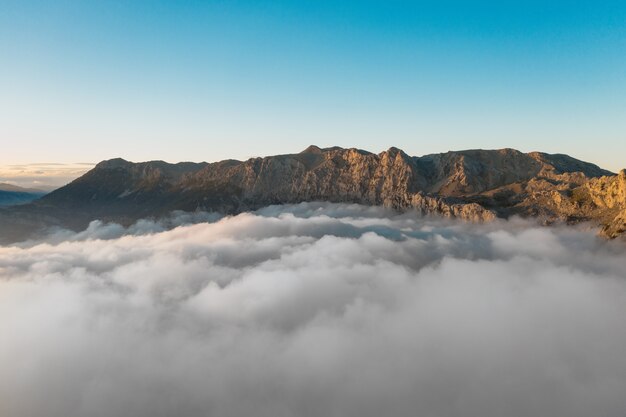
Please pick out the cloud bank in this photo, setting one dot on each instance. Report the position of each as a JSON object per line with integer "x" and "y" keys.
{"x": 314, "y": 310}
{"x": 43, "y": 176}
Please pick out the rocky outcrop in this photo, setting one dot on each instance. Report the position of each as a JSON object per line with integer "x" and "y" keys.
{"x": 473, "y": 185}
{"x": 607, "y": 192}
{"x": 605, "y": 199}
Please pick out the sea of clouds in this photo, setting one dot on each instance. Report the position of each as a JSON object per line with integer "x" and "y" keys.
{"x": 314, "y": 310}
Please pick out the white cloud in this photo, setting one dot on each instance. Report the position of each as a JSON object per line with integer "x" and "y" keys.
{"x": 314, "y": 310}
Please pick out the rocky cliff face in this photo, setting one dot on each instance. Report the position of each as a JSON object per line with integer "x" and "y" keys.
{"x": 605, "y": 199}
{"x": 474, "y": 185}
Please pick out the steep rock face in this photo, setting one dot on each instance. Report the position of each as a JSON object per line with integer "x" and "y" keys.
{"x": 427, "y": 205}
{"x": 476, "y": 171}
{"x": 616, "y": 226}
{"x": 608, "y": 192}
{"x": 606, "y": 200}
{"x": 558, "y": 164}
{"x": 391, "y": 178}
{"x": 313, "y": 174}
{"x": 475, "y": 185}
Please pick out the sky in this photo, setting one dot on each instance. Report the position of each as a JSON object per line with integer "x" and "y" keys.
{"x": 86, "y": 81}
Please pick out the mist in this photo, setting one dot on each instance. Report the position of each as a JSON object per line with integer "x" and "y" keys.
{"x": 313, "y": 310}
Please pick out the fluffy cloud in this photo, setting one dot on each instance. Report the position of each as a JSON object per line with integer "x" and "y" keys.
{"x": 313, "y": 310}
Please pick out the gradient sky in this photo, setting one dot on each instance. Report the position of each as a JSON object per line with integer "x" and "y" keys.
{"x": 208, "y": 80}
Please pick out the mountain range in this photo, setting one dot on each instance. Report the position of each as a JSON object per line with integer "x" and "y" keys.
{"x": 11, "y": 194}
{"x": 473, "y": 185}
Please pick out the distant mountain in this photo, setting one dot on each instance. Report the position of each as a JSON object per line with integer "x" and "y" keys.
{"x": 475, "y": 185}
{"x": 12, "y": 195}
{"x": 15, "y": 188}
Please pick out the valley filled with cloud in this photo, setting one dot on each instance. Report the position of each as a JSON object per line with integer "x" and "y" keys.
{"x": 313, "y": 310}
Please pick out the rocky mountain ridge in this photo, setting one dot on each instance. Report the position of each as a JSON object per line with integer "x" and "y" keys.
{"x": 473, "y": 185}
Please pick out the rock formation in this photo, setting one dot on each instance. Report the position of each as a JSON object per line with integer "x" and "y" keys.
{"x": 474, "y": 185}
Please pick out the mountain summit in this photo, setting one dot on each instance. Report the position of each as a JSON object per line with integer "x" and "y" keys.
{"x": 474, "y": 185}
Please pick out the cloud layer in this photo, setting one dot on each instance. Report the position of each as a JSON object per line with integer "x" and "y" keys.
{"x": 46, "y": 177}
{"x": 314, "y": 310}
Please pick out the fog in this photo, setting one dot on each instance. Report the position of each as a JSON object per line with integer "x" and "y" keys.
{"x": 314, "y": 310}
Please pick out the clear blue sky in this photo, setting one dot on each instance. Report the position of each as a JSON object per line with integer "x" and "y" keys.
{"x": 82, "y": 81}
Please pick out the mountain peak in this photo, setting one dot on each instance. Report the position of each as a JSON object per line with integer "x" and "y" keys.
{"x": 312, "y": 149}
{"x": 113, "y": 163}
